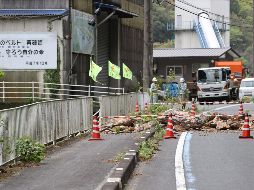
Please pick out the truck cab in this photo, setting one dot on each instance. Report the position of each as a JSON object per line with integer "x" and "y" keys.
{"x": 212, "y": 84}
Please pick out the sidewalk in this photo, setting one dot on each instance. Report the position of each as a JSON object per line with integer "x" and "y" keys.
{"x": 83, "y": 165}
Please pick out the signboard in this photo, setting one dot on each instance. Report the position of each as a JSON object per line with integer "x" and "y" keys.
{"x": 82, "y": 33}
{"x": 28, "y": 51}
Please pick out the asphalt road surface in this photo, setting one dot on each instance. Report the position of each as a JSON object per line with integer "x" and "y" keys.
{"x": 81, "y": 166}
{"x": 200, "y": 161}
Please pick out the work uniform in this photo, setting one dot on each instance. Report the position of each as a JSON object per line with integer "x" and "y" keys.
{"x": 182, "y": 92}
{"x": 154, "y": 93}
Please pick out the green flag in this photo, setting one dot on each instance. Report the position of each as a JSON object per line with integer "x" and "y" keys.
{"x": 113, "y": 71}
{"x": 127, "y": 72}
{"x": 94, "y": 70}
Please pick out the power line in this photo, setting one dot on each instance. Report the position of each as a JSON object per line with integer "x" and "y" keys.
{"x": 186, "y": 10}
{"x": 191, "y": 5}
{"x": 218, "y": 15}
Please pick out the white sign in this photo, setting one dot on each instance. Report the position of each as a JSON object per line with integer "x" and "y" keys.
{"x": 28, "y": 51}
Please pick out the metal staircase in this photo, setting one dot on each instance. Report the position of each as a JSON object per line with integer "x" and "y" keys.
{"x": 218, "y": 35}
{"x": 200, "y": 33}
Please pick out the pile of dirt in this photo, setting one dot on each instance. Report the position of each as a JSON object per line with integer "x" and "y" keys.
{"x": 125, "y": 125}
{"x": 182, "y": 121}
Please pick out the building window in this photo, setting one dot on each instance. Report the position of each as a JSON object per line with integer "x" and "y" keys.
{"x": 177, "y": 70}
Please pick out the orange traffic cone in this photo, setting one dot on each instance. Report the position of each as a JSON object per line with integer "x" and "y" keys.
{"x": 193, "y": 107}
{"x": 241, "y": 109}
{"x": 96, "y": 131}
{"x": 137, "y": 108}
{"x": 146, "y": 109}
{"x": 246, "y": 129}
{"x": 169, "y": 130}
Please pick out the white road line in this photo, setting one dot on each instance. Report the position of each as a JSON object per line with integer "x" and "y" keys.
{"x": 190, "y": 178}
{"x": 106, "y": 178}
{"x": 179, "y": 168}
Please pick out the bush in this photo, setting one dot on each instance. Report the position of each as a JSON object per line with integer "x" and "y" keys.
{"x": 145, "y": 151}
{"x": 148, "y": 148}
{"x": 156, "y": 109}
{"x": 30, "y": 150}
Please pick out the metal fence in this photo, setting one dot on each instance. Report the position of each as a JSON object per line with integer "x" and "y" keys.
{"x": 122, "y": 104}
{"x": 18, "y": 91}
{"x": 44, "y": 122}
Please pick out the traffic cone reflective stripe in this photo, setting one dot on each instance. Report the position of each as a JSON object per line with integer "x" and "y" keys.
{"x": 169, "y": 130}
{"x": 246, "y": 128}
{"x": 137, "y": 111}
{"x": 96, "y": 130}
{"x": 193, "y": 107}
{"x": 241, "y": 109}
{"x": 137, "y": 108}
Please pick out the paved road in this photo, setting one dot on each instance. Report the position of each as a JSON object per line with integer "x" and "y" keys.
{"x": 159, "y": 173}
{"x": 211, "y": 161}
{"x": 219, "y": 161}
{"x": 82, "y": 166}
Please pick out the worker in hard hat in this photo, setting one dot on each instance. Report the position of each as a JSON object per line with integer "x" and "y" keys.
{"x": 236, "y": 86}
{"x": 233, "y": 85}
{"x": 182, "y": 92}
{"x": 154, "y": 91}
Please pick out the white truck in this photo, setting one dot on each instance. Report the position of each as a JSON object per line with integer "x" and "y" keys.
{"x": 212, "y": 84}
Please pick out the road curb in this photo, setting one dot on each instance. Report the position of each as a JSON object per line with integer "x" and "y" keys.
{"x": 119, "y": 178}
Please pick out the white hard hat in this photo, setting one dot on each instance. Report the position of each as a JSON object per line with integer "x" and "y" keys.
{"x": 181, "y": 79}
{"x": 154, "y": 79}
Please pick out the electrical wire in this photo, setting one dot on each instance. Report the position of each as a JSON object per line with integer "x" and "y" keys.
{"x": 186, "y": 10}
{"x": 191, "y": 5}
{"x": 212, "y": 13}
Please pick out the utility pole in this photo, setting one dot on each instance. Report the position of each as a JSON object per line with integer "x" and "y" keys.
{"x": 147, "y": 44}
{"x": 252, "y": 71}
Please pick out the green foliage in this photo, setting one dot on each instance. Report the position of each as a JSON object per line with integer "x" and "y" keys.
{"x": 148, "y": 148}
{"x": 246, "y": 99}
{"x": 53, "y": 76}
{"x": 2, "y": 74}
{"x": 170, "y": 76}
{"x": 146, "y": 119}
{"x": 161, "y": 16}
{"x": 241, "y": 37}
{"x": 30, "y": 150}
{"x": 145, "y": 151}
{"x": 157, "y": 108}
{"x": 160, "y": 132}
{"x": 119, "y": 157}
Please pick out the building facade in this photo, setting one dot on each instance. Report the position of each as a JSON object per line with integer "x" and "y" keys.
{"x": 117, "y": 36}
{"x": 186, "y": 12}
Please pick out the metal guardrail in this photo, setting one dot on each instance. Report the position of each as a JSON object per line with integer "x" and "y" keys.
{"x": 48, "y": 91}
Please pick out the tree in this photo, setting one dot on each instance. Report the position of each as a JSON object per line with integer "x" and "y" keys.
{"x": 162, "y": 15}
